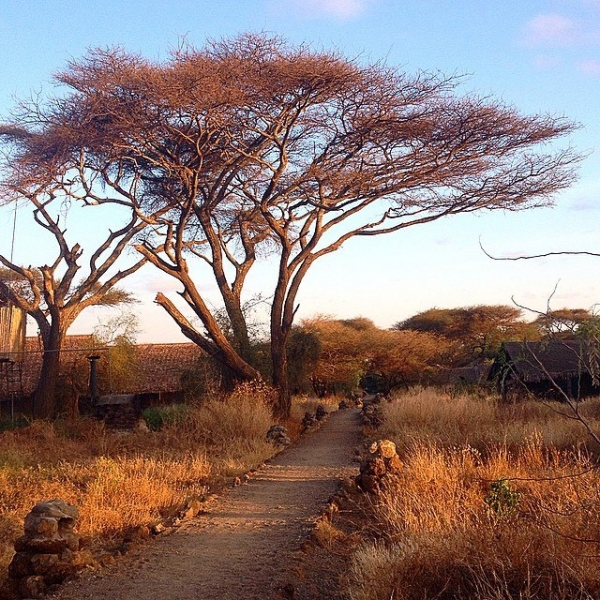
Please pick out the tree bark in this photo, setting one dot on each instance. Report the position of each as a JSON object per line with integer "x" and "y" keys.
{"x": 222, "y": 351}
{"x": 44, "y": 399}
{"x": 281, "y": 376}
{"x": 281, "y": 380}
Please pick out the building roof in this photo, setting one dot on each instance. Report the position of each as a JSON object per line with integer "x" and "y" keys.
{"x": 151, "y": 368}
{"x": 160, "y": 367}
{"x": 536, "y": 361}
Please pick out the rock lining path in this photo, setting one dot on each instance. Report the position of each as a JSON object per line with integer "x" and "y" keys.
{"x": 244, "y": 548}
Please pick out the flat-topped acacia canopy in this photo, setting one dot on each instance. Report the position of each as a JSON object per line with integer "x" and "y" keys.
{"x": 250, "y": 147}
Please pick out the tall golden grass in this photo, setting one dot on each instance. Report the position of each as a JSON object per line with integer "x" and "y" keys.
{"x": 493, "y": 503}
{"x": 125, "y": 480}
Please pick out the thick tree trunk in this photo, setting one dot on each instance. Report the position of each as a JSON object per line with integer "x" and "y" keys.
{"x": 239, "y": 328}
{"x": 44, "y": 399}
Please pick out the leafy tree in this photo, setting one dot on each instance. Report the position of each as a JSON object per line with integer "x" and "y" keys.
{"x": 564, "y": 322}
{"x": 251, "y": 148}
{"x": 476, "y": 331}
{"x": 304, "y": 351}
{"x": 118, "y": 369}
{"x": 405, "y": 358}
{"x": 356, "y": 350}
{"x": 55, "y": 294}
{"x": 344, "y": 354}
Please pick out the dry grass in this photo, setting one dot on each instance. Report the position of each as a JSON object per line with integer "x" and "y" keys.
{"x": 494, "y": 503}
{"x": 125, "y": 480}
{"x": 427, "y": 415}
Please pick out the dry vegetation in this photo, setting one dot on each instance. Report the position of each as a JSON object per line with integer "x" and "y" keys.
{"x": 494, "y": 503}
{"x": 120, "y": 481}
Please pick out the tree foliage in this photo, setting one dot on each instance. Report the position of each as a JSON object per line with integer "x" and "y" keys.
{"x": 249, "y": 147}
{"x": 565, "y": 322}
{"x": 474, "y": 331}
{"x": 356, "y": 350}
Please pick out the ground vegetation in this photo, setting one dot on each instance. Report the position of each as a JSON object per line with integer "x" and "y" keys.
{"x": 493, "y": 501}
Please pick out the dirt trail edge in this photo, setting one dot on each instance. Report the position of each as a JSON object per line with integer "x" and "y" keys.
{"x": 242, "y": 548}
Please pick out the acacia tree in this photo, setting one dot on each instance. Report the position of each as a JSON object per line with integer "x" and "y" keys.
{"x": 565, "y": 322}
{"x": 345, "y": 349}
{"x": 405, "y": 358}
{"x": 259, "y": 148}
{"x": 55, "y": 294}
{"x": 356, "y": 350}
{"x": 475, "y": 331}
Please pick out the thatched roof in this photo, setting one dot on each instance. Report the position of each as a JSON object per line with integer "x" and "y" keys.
{"x": 535, "y": 361}
{"x": 475, "y": 372}
{"x": 155, "y": 368}
{"x": 160, "y": 367}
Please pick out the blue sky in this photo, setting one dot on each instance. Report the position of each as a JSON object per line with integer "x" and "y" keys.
{"x": 541, "y": 56}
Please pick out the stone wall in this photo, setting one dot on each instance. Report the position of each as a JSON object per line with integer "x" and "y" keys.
{"x": 120, "y": 411}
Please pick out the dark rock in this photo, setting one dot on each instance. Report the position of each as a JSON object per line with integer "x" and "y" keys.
{"x": 277, "y": 434}
{"x": 10, "y": 590}
{"x": 33, "y": 587}
{"x": 368, "y": 483}
{"x": 57, "y": 509}
{"x": 36, "y": 524}
{"x": 394, "y": 464}
{"x": 20, "y": 565}
{"x": 309, "y": 420}
{"x": 377, "y": 469}
{"x": 42, "y": 545}
{"x": 42, "y": 563}
{"x": 320, "y": 413}
{"x": 49, "y": 552}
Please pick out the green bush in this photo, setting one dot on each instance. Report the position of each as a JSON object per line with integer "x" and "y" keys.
{"x": 156, "y": 417}
{"x": 502, "y": 500}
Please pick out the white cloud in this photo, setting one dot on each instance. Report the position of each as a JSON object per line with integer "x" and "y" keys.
{"x": 559, "y": 31}
{"x": 551, "y": 30}
{"x": 584, "y": 197}
{"x": 590, "y": 67}
{"x": 337, "y": 9}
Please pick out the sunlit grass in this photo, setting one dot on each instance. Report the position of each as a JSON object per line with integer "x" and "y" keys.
{"x": 443, "y": 530}
{"x": 123, "y": 480}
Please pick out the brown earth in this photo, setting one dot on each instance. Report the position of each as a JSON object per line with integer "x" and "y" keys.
{"x": 253, "y": 540}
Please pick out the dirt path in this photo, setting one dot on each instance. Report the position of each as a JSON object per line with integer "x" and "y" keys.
{"x": 244, "y": 548}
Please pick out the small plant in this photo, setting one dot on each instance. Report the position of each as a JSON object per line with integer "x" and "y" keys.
{"x": 156, "y": 417}
{"x": 502, "y": 501}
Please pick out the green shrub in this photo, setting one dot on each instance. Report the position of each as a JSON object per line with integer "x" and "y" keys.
{"x": 502, "y": 501}
{"x": 156, "y": 417}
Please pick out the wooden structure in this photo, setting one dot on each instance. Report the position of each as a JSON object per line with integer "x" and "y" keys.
{"x": 12, "y": 347}
{"x": 545, "y": 369}
{"x": 12, "y": 330}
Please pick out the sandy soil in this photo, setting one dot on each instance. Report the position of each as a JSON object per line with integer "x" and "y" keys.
{"x": 247, "y": 545}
